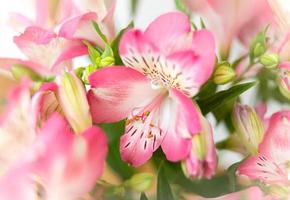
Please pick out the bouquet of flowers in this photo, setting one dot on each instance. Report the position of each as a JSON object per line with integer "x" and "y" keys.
{"x": 177, "y": 110}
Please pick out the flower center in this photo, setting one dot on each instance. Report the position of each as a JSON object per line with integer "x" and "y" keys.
{"x": 162, "y": 72}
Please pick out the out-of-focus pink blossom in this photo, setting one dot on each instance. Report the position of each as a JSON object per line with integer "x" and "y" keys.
{"x": 252, "y": 193}
{"x": 50, "y": 53}
{"x": 281, "y": 32}
{"x": 202, "y": 159}
{"x": 230, "y": 19}
{"x": 51, "y": 14}
{"x": 271, "y": 165}
{"x": 16, "y": 127}
{"x": 167, "y": 64}
{"x": 44, "y": 103}
{"x": 46, "y": 51}
{"x": 61, "y": 164}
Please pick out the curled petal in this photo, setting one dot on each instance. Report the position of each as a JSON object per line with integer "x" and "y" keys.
{"x": 180, "y": 120}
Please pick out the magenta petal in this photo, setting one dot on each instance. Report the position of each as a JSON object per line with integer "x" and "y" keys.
{"x": 175, "y": 147}
{"x": 133, "y": 40}
{"x": 188, "y": 112}
{"x": 179, "y": 120}
{"x": 164, "y": 31}
{"x": 116, "y": 91}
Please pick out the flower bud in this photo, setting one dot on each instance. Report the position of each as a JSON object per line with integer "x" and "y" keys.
{"x": 19, "y": 71}
{"x": 107, "y": 61}
{"x": 73, "y": 100}
{"x": 270, "y": 61}
{"x": 284, "y": 79}
{"x": 201, "y": 161}
{"x": 223, "y": 74}
{"x": 140, "y": 182}
{"x": 258, "y": 45}
{"x": 248, "y": 126}
{"x": 259, "y": 50}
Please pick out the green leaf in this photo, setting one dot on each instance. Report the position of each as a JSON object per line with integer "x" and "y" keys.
{"x": 93, "y": 53}
{"x": 19, "y": 71}
{"x": 107, "y": 52}
{"x": 143, "y": 196}
{"x": 114, "y": 131}
{"x": 115, "y": 44}
{"x": 209, "y": 188}
{"x": 231, "y": 173}
{"x": 101, "y": 34}
{"x": 258, "y": 45}
{"x": 221, "y": 98}
{"x": 181, "y": 7}
{"x": 134, "y": 5}
{"x": 202, "y": 24}
{"x": 163, "y": 187}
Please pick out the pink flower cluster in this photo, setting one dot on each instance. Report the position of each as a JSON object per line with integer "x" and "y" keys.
{"x": 51, "y": 147}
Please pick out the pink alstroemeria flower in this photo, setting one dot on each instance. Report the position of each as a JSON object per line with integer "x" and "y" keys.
{"x": 202, "y": 159}
{"x": 50, "y": 14}
{"x": 46, "y": 51}
{"x": 251, "y": 193}
{"x": 62, "y": 165}
{"x": 271, "y": 165}
{"x": 230, "y": 19}
{"x": 16, "y": 126}
{"x": 167, "y": 64}
{"x": 50, "y": 53}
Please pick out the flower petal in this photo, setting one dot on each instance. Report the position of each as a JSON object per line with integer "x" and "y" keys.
{"x": 270, "y": 165}
{"x": 164, "y": 30}
{"x": 142, "y": 137}
{"x": 185, "y": 68}
{"x": 180, "y": 119}
{"x": 81, "y": 27}
{"x": 16, "y": 130}
{"x": 116, "y": 91}
{"x": 276, "y": 142}
{"x": 73, "y": 166}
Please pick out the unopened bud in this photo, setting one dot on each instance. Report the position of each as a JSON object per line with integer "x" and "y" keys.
{"x": 248, "y": 126}
{"x": 73, "y": 100}
{"x": 270, "y": 61}
{"x": 224, "y": 74}
{"x": 107, "y": 61}
{"x": 259, "y": 50}
{"x": 284, "y": 79}
{"x": 140, "y": 182}
{"x": 258, "y": 45}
